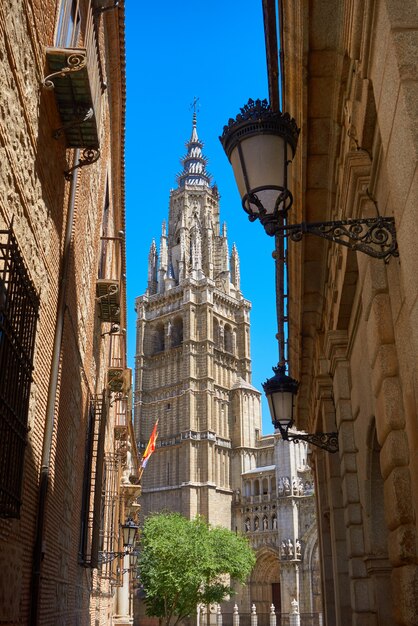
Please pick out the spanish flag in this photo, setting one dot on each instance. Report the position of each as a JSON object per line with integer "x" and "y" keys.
{"x": 150, "y": 447}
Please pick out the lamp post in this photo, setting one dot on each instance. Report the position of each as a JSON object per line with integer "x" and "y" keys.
{"x": 259, "y": 143}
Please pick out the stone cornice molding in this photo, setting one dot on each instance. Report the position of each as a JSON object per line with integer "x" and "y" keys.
{"x": 335, "y": 348}
{"x": 355, "y": 181}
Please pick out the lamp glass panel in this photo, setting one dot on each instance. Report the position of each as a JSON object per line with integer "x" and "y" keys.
{"x": 282, "y": 402}
{"x": 129, "y": 532}
{"x": 264, "y": 158}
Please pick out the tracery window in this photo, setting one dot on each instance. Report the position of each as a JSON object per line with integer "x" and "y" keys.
{"x": 19, "y": 305}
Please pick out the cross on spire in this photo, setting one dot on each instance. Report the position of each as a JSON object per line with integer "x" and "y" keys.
{"x": 194, "y": 105}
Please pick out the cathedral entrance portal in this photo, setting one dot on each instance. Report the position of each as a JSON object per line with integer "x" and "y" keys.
{"x": 264, "y": 584}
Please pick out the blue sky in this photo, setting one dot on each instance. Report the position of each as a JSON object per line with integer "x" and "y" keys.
{"x": 176, "y": 50}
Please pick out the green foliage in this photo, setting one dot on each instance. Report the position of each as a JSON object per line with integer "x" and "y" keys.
{"x": 184, "y": 563}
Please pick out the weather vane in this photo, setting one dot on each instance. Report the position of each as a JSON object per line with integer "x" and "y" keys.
{"x": 194, "y": 105}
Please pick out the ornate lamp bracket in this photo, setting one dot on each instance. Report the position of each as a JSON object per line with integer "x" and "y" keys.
{"x": 326, "y": 441}
{"x": 376, "y": 237}
{"x": 89, "y": 157}
{"x": 75, "y": 63}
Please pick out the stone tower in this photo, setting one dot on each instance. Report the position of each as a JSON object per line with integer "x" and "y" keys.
{"x": 193, "y": 366}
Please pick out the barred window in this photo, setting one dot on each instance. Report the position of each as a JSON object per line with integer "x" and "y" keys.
{"x": 19, "y": 305}
{"x": 91, "y": 517}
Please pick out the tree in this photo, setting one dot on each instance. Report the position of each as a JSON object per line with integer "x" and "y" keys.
{"x": 184, "y": 563}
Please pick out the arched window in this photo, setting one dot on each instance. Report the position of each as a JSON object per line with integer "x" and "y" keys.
{"x": 177, "y": 332}
{"x": 216, "y": 332}
{"x": 158, "y": 336}
{"x": 228, "y": 338}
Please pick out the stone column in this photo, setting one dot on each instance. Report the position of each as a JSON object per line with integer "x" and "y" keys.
{"x": 123, "y": 617}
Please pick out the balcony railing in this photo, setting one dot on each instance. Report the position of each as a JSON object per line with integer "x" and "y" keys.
{"x": 77, "y": 80}
{"x": 108, "y": 285}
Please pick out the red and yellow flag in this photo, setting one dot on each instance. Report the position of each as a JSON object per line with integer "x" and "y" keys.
{"x": 150, "y": 447}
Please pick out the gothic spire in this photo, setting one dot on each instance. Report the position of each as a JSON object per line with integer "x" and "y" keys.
{"x": 194, "y": 162}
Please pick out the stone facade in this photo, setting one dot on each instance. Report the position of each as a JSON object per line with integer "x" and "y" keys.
{"x": 350, "y": 81}
{"x": 193, "y": 375}
{"x": 275, "y": 509}
{"x": 59, "y": 520}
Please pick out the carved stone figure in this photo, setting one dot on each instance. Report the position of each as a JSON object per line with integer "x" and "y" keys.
{"x": 283, "y": 549}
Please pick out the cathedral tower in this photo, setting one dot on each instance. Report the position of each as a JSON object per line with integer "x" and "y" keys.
{"x": 193, "y": 367}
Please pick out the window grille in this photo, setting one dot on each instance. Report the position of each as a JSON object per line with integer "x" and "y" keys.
{"x": 93, "y": 482}
{"x": 109, "y": 532}
{"x": 19, "y": 304}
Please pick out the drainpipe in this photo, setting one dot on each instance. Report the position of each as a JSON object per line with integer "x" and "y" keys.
{"x": 38, "y": 552}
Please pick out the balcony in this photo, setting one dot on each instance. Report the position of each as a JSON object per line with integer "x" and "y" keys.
{"x": 108, "y": 298}
{"x": 76, "y": 79}
{"x": 119, "y": 380}
{"x": 109, "y": 283}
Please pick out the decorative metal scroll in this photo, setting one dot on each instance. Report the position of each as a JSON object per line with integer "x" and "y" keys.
{"x": 83, "y": 115}
{"x": 75, "y": 63}
{"x": 326, "y": 441}
{"x": 376, "y": 237}
{"x": 89, "y": 156}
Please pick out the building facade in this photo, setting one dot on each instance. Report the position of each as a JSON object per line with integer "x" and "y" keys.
{"x": 349, "y": 78}
{"x": 193, "y": 375}
{"x": 68, "y": 460}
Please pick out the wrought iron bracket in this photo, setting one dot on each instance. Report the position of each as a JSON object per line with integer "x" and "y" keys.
{"x": 326, "y": 441}
{"x": 89, "y": 157}
{"x": 84, "y": 114}
{"x": 108, "y": 557}
{"x": 376, "y": 237}
{"x": 75, "y": 63}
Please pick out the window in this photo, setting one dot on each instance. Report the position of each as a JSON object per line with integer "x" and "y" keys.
{"x": 92, "y": 509}
{"x": 104, "y": 237}
{"x": 68, "y": 28}
{"x": 19, "y": 305}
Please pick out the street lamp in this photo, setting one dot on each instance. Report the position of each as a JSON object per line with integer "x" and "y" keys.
{"x": 259, "y": 144}
{"x": 280, "y": 391}
{"x": 129, "y": 531}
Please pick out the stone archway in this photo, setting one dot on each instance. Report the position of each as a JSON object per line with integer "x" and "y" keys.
{"x": 264, "y": 585}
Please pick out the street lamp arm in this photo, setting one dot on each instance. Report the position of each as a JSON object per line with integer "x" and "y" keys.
{"x": 376, "y": 237}
{"x": 326, "y": 441}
